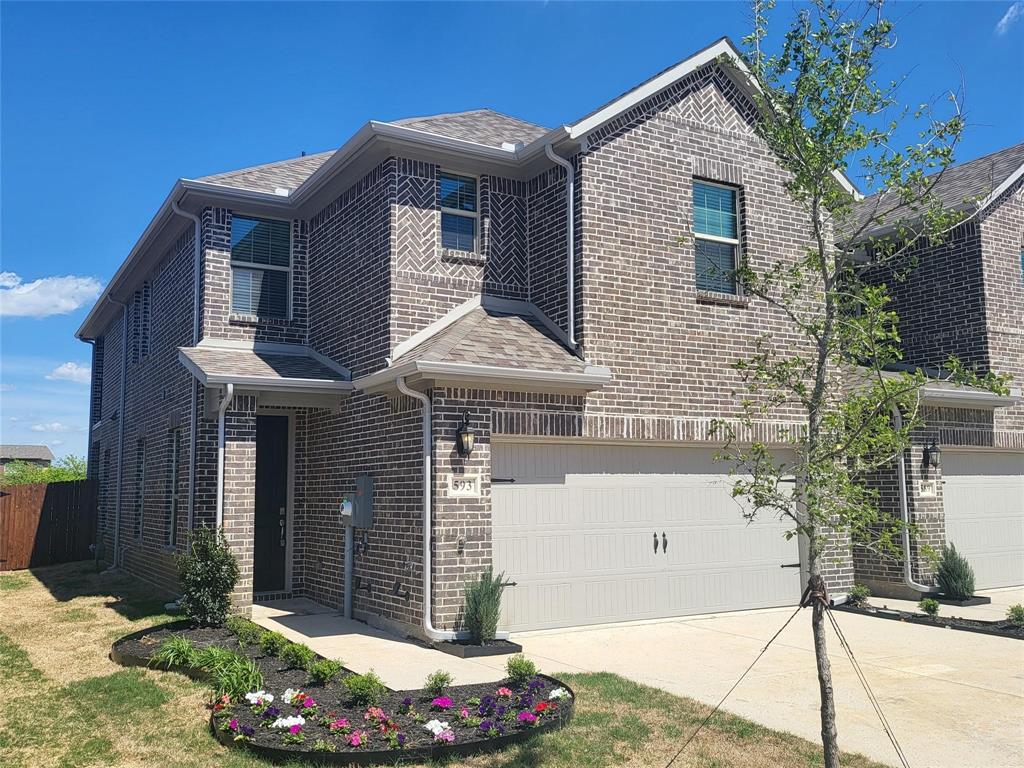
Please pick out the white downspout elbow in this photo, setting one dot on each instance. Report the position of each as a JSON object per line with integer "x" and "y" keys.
{"x": 570, "y": 235}
{"x": 229, "y": 392}
{"x": 901, "y": 474}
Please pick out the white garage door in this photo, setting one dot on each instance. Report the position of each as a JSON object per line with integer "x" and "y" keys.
{"x": 577, "y": 529}
{"x": 983, "y": 494}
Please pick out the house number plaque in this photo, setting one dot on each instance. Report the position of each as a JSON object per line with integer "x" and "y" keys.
{"x": 464, "y": 486}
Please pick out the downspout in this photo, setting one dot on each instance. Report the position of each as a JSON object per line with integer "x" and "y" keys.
{"x": 193, "y": 418}
{"x": 229, "y": 392}
{"x": 120, "y": 429}
{"x": 570, "y": 236}
{"x": 901, "y": 474}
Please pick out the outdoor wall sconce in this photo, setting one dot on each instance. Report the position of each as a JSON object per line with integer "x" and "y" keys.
{"x": 932, "y": 455}
{"x": 464, "y": 437}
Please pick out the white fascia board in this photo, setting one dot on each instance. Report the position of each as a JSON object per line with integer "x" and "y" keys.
{"x": 435, "y": 327}
{"x": 1012, "y": 179}
{"x": 593, "y": 377}
{"x": 966, "y": 398}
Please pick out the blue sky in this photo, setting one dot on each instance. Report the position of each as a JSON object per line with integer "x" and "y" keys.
{"x": 105, "y": 105}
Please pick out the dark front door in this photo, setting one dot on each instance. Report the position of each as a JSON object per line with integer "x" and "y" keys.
{"x": 271, "y": 503}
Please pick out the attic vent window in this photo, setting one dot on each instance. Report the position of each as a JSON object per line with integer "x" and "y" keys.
{"x": 261, "y": 258}
{"x": 459, "y": 214}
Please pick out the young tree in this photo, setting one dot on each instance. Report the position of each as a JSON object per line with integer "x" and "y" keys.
{"x": 822, "y": 106}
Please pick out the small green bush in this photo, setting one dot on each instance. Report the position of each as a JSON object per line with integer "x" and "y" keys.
{"x": 237, "y": 677}
{"x": 858, "y": 595}
{"x": 297, "y": 656}
{"x": 1015, "y": 615}
{"x": 483, "y": 606}
{"x": 955, "y": 575}
{"x": 437, "y": 683}
{"x": 272, "y": 643}
{"x": 520, "y": 670}
{"x": 213, "y": 659}
{"x": 322, "y": 671}
{"x": 175, "y": 652}
{"x": 324, "y": 746}
{"x": 929, "y": 606}
{"x": 244, "y": 630}
{"x": 364, "y": 690}
{"x": 208, "y": 574}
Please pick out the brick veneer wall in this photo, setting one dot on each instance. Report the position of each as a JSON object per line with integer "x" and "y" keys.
{"x": 239, "y": 506}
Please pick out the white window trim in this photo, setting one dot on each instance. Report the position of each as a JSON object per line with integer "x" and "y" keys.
{"x": 733, "y": 241}
{"x": 475, "y": 215}
{"x": 232, "y": 264}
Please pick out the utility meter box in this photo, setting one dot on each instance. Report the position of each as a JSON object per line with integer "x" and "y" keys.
{"x": 362, "y": 502}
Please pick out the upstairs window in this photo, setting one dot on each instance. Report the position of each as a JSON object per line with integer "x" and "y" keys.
{"x": 716, "y": 236}
{"x": 261, "y": 260}
{"x": 458, "y": 212}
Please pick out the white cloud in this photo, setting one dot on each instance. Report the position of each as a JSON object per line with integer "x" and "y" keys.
{"x": 1013, "y": 13}
{"x": 46, "y": 296}
{"x": 54, "y": 443}
{"x": 54, "y": 426}
{"x": 79, "y": 373}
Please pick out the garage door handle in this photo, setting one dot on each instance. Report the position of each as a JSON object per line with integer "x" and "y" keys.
{"x": 664, "y": 543}
{"x": 790, "y": 565}
{"x": 655, "y": 542}
{"x": 509, "y": 584}
{"x": 502, "y": 480}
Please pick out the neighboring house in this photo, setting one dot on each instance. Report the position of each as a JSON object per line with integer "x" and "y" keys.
{"x": 281, "y": 332}
{"x": 37, "y": 455}
{"x": 965, "y": 298}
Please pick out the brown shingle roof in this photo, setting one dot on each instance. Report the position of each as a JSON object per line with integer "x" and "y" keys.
{"x": 217, "y": 364}
{"x": 288, "y": 174}
{"x": 483, "y": 126}
{"x": 490, "y": 337}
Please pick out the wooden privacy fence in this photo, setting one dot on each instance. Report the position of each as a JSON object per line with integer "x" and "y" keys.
{"x": 46, "y": 523}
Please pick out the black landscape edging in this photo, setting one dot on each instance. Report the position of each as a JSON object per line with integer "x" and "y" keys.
{"x": 970, "y": 601}
{"x": 472, "y": 651}
{"x": 566, "y": 710}
{"x": 942, "y": 622}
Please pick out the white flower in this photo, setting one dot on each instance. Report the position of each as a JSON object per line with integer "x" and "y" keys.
{"x": 288, "y": 722}
{"x": 436, "y": 726}
{"x": 289, "y": 695}
{"x": 559, "y": 693}
{"x": 259, "y": 697}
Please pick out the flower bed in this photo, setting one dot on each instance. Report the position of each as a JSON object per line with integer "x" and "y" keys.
{"x": 1000, "y": 628}
{"x": 339, "y": 722}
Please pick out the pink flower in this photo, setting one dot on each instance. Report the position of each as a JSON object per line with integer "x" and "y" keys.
{"x": 357, "y": 739}
{"x": 295, "y": 729}
{"x": 340, "y": 724}
{"x": 447, "y": 735}
{"x": 441, "y": 702}
{"x": 464, "y": 713}
{"x": 308, "y": 702}
{"x": 526, "y": 717}
{"x": 504, "y": 692}
{"x": 233, "y": 725}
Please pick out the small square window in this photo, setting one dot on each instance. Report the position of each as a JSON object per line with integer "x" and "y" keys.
{"x": 458, "y": 196}
{"x": 716, "y": 236}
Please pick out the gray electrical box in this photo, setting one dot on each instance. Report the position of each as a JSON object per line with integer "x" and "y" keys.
{"x": 362, "y": 504}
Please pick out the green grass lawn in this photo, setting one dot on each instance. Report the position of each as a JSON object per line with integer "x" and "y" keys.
{"x": 65, "y": 704}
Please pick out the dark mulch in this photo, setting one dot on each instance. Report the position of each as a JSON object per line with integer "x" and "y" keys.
{"x": 999, "y": 628}
{"x": 332, "y": 702}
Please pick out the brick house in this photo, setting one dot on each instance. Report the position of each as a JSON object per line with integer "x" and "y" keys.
{"x": 964, "y": 298}
{"x": 283, "y": 335}
{"x": 36, "y": 455}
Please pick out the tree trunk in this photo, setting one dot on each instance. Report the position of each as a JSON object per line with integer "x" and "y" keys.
{"x": 829, "y": 736}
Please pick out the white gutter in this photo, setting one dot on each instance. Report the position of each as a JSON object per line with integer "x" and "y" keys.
{"x": 901, "y": 474}
{"x": 428, "y": 527}
{"x": 120, "y": 428}
{"x": 570, "y": 253}
{"x": 193, "y": 422}
{"x": 229, "y": 392}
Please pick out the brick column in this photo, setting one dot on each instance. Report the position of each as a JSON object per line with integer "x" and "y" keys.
{"x": 240, "y": 492}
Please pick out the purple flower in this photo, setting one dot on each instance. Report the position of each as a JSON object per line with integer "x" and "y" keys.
{"x": 500, "y": 711}
{"x": 272, "y": 713}
{"x": 526, "y": 702}
{"x": 407, "y": 701}
{"x": 500, "y": 729}
{"x": 248, "y": 731}
{"x": 400, "y": 738}
{"x": 486, "y": 725}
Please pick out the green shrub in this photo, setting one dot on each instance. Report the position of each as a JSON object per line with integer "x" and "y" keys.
{"x": 237, "y": 677}
{"x": 1015, "y": 615}
{"x": 322, "y": 671}
{"x": 520, "y": 670}
{"x": 297, "y": 656}
{"x": 437, "y": 683}
{"x": 929, "y": 606}
{"x": 272, "y": 643}
{"x": 955, "y": 575}
{"x": 65, "y": 469}
{"x": 208, "y": 574}
{"x": 324, "y": 746}
{"x": 213, "y": 659}
{"x": 858, "y": 595}
{"x": 364, "y": 690}
{"x": 482, "y": 606}
{"x": 244, "y": 630}
{"x": 175, "y": 652}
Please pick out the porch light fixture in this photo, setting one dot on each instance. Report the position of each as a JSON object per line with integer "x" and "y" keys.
{"x": 932, "y": 455}
{"x": 464, "y": 437}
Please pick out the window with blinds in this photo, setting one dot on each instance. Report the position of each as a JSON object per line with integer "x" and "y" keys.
{"x": 716, "y": 236}
{"x": 458, "y": 212}
{"x": 261, "y": 259}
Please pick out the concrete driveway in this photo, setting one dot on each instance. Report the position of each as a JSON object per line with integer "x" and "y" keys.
{"x": 953, "y": 698}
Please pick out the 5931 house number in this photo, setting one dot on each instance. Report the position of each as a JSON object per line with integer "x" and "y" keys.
{"x": 463, "y": 486}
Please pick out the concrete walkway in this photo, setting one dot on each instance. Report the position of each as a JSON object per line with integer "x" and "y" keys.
{"x": 955, "y": 699}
